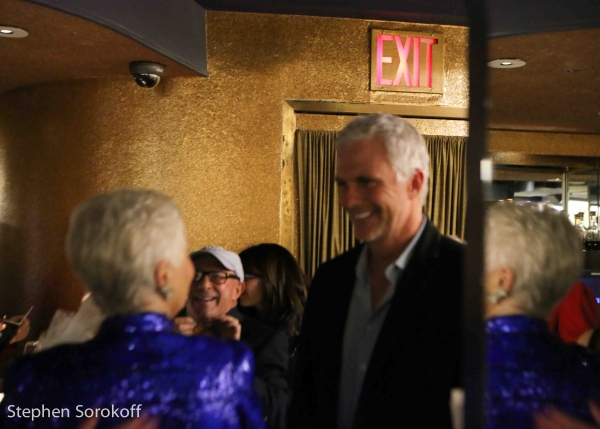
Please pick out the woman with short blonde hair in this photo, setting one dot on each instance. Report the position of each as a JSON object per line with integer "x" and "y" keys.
{"x": 128, "y": 247}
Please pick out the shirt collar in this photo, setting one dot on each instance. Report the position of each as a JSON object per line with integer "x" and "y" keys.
{"x": 393, "y": 269}
{"x": 403, "y": 259}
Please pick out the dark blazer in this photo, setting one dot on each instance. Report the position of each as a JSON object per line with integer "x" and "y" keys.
{"x": 415, "y": 361}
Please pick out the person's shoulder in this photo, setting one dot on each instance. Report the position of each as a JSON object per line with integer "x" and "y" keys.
{"x": 580, "y": 288}
{"x": 437, "y": 248}
{"x": 270, "y": 338}
{"x": 449, "y": 248}
{"x": 453, "y": 244}
{"x": 251, "y": 323}
{"x": 281, "y": 336}
{"x": 258, "y": 334}
{"x": 331, "y": 275}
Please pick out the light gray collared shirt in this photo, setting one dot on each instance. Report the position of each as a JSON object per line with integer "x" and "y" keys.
{"x": 363, "y": 326}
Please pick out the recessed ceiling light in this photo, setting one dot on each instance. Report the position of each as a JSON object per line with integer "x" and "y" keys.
{"x": 14, "y": 32}
{"x": 506, "y": 63}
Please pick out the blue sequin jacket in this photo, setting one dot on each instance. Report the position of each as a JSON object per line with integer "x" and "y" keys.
{"x": 529, "y": 369}
{"x": 135, "y": 362}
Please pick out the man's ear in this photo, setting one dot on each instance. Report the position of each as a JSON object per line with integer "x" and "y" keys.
{"x": 416, "y": 183}
{"x": 162, "y": 273}
{"x": 239, "y": 289}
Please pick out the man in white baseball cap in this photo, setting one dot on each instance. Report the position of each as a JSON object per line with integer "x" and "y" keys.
{"x": 212, "y": 310}
{"x": 227, "y": 258}
{"x": 216, "y": 287}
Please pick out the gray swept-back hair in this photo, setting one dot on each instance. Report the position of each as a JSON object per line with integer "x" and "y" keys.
{"x": 116, "y": 240}
{"x": 541, "y": 246}
{"x": 404, "y": 145}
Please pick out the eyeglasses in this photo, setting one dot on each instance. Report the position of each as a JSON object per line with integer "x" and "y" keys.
{"x": 215, "y": 277}
{"x": 251, "y": 276}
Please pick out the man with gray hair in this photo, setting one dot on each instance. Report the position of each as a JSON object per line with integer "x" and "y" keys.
{"x": 381, "y": 333}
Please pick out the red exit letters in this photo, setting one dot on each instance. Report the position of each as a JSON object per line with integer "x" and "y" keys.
{"x": 406, "y": 62}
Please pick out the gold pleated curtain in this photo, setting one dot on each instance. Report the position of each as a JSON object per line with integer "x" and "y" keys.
{"x": 324, "y": 229}
{"x": 446, "y": 204}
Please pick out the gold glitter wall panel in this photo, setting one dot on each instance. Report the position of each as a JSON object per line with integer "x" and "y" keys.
{"x": 426, "y": 126}
{"x": 214, "y": 144}
{"x": 315, "y": 58}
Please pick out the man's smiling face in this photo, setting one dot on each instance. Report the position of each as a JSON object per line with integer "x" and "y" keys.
{"x": 207, "y": 300}
{"x": 378, "y": 204}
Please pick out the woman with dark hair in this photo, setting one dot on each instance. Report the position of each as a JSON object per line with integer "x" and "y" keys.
{"x": 276, "y": 288}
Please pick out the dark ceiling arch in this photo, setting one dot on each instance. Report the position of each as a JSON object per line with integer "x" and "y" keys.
{"x": 173, "y": 28}
{"x": 505, "y": 17}
{"x": 514, "y": 17}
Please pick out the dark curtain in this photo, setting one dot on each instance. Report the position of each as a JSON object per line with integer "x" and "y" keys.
{"x": 446, "y": 204}
{"x": 324, "y": 229}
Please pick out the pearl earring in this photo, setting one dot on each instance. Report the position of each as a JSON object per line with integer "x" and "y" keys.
{"x": 166, "y": 291}
{"x": 497, "y": 296}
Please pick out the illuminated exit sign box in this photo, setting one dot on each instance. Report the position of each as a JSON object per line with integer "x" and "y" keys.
{"x": 407, "y": 61}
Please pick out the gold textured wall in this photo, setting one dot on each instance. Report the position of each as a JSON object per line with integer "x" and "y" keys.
{"x": 435, "y": 127}
{"x": 214, "y": 144}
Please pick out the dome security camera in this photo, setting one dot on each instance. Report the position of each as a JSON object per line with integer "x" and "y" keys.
{"x": 146, "y": 73}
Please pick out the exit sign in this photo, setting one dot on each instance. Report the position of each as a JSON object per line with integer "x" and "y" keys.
{"x": 407, "y": 61}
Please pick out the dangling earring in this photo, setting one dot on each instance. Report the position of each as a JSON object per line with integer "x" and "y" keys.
{"x": 497, "y": 296}
{"x": 166, "y": 291}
